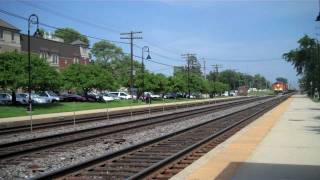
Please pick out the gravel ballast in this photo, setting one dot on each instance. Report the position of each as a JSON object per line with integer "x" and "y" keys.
{"x": 36, "y": 166}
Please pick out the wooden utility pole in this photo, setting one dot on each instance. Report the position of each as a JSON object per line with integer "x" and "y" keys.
{"x": 131, "y": 37}
{"x": 204, "y": 69}
{"x": 188, "y": 58}
{"x": 215, "y": 72}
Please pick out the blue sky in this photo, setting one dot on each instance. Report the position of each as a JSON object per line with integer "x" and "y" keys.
{"x": 249, "y": 36}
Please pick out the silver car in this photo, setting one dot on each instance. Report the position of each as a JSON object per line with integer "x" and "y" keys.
{"x": 5, "y": 98}
{"x": 22, "y": 98}
{"x": 50, "y": 95}
{"x": 36, "y": 99}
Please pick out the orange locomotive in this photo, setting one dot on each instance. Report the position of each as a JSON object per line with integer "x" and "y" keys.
{"x": 280, "y": 87}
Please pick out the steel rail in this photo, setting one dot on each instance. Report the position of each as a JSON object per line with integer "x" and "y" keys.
{"x": 117, "y": 114}
{"x": 71, "y": 169}
{"x": 17, "y": 148}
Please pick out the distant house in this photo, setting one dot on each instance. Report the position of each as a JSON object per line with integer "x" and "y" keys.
{"x": 57, "y": 53}
{"x": 9, "y": 37}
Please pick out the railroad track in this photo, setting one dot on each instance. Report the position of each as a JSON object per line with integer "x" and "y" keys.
{"x": 112, "y": 115}
{"x": 165, "y": 156}
{"x": 10, "y": 151}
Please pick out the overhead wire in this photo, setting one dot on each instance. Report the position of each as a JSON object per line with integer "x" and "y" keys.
{"x": 57, "y": 13}
{"x": 57, "y": 28}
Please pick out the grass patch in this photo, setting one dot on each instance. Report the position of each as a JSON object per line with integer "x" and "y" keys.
{"x": 14, "y": 111}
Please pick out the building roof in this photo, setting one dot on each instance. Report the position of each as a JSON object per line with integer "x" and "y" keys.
{"x": 40, "y": 44}
{"x": 8, "y": 26}
{"x": 79, "y": 43}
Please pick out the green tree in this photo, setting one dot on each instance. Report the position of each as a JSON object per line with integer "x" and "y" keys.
{"x": 14, "y": 73}
{"x": 105, "y": 51}
{"x": 177, "y": 83}
{"x": 69, "y": 35}
{"x": 229, "y": 77}
{"x": 306, "y": 61}
{"x": 84, "y": 78}
{"x": 282, "y": 79}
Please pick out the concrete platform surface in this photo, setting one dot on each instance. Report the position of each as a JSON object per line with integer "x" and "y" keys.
{"x": 292, "y": 149}
{"x": 282, "y": 144}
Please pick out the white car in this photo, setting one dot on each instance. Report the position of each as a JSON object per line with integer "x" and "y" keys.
{"x": 107, "y": 97}
{"x": 122, "y": 95}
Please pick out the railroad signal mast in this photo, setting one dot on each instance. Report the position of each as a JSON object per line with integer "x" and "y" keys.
{"x": 130, "y": 35}
{"x": 189, "y": 58}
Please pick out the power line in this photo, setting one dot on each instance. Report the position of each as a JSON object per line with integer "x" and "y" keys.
{"x": 57, "y": 28}
{"x": 90, "y": 23}
{"x": 160, "y": 55}
{"x": 57, "y": 13}
{"x": 243, "y": 60}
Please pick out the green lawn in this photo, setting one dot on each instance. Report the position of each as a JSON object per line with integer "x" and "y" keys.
{"x": 13, "y": 111}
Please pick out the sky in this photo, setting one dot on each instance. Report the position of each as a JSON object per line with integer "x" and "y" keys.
{"x": 249, "y": 36}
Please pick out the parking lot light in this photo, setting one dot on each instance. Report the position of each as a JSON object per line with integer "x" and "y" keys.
{"x": 144, "y": 49}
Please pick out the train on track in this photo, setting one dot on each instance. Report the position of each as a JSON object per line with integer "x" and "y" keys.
{"x": 280, "y": 87}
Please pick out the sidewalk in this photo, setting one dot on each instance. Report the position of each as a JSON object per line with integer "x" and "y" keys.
{"x": 282, "y": 144}
{"x": 87, "y": 113}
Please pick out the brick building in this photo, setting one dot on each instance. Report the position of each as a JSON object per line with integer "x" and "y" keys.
{"x": 57, "y": 53}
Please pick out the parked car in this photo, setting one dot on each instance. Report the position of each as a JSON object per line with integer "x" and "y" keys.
{"x": 35, "y": 98}
{"x": 108, "y": 97}
{"x": 122, "y": 95}
{"x": 226, "y": 93}
{"x": 50, "y": 95}
{"x": 170, "y": 95}
{"x": 92, "y": 97}
{"x": 153, "y": 96}
{"x": 5, "y": 98}
{"x": 22, "y": 98}
{"x": 71, "y": 97}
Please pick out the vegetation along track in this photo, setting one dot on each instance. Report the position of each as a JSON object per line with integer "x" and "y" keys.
{"x": 165, "y": 156}
{"x": 28, "y": 148}
{"x": 117, "y": 114}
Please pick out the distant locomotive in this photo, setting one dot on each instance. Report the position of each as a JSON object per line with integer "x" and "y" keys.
{"x": 280, "y": 87}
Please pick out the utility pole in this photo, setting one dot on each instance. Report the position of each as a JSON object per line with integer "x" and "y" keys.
{"x": 204, "y": 69}
{"x": 131, "y": 37}
{"x": 216, "y": 72}
{"x": 188, "y": 58}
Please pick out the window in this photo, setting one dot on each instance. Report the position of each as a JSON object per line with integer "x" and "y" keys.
{"x": 43, "y": 54}
{"x": 55, "y": 59}
{"x": 1, "y": 33}
{"x": 75, "y": 60}
{"x": 12, "y": 36}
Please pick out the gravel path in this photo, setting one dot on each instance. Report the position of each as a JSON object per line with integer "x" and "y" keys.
{"x": 51, "y": 162}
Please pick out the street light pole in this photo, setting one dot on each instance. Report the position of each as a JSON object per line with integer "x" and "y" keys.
{"x": 144, "y": 49}
{"x": 33, "y": 19}
{"x": 317, "y": 46}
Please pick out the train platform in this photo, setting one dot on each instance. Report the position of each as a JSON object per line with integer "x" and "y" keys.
{"x": 21, "y": 120}
{"x": 282, "y": 144}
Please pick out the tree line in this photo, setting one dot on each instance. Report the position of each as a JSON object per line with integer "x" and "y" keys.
{"x": 110, "y": 71}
